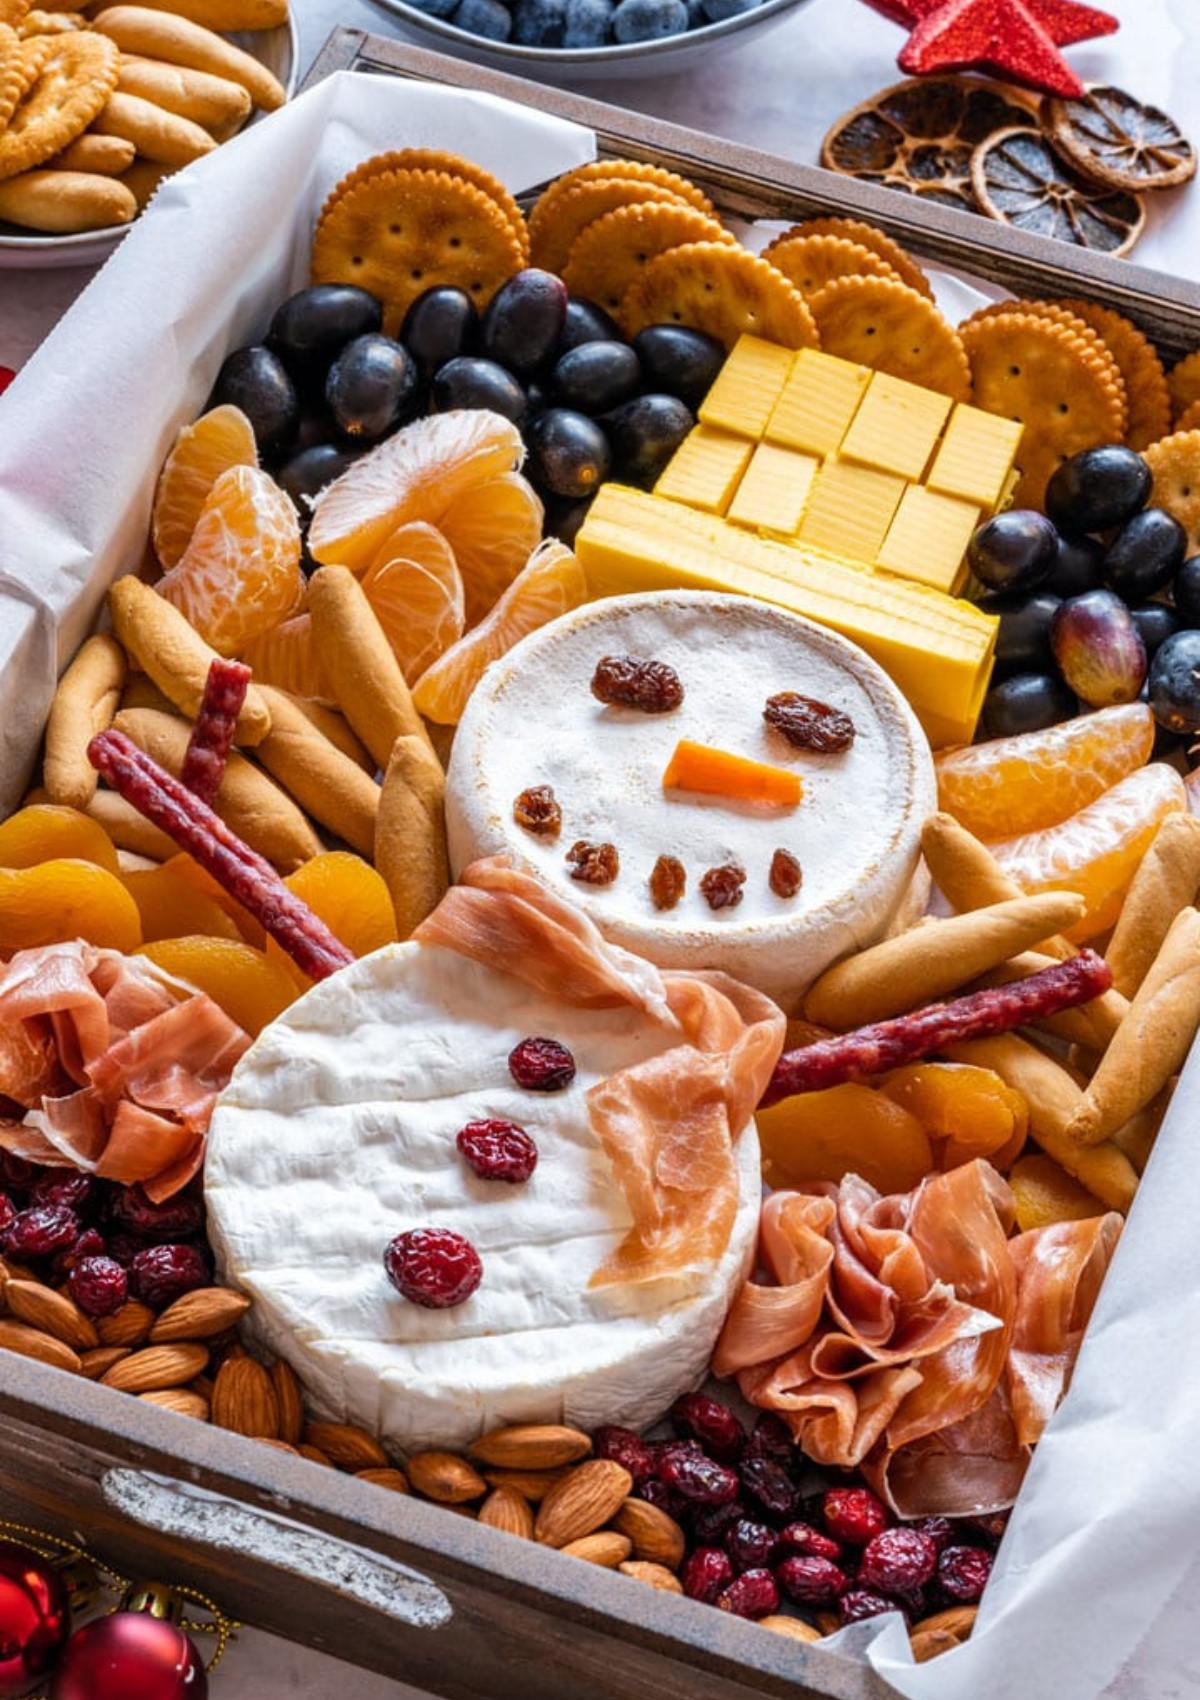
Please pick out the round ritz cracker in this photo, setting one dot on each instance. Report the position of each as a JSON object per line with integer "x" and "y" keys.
{"x": 1175, "y": 466}
{"x": 867, "y": 236}
{"x": 810, "y": 262}
{"x": 399, "y": 233}
{"x": 20, "y": 66}
{"x": 11, "y": 14}
{"x": 889, "y": 327}
{"x": 1183, "y": 381}
{"x": 77, "y": 75}
{"x": 608, "y": 255}
{"x": 636, "y": 171}
{"x": 723, "y": 289}
{"x": 560, "y": 218}
{"x": 1137, "y": 361}
{"x": 1065, "y": 390}
{"x": 1189, "y": 419}
{"x": 1059, "y": 314}
{"x": 435, "y": 159}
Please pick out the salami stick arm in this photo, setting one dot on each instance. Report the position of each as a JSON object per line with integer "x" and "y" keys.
{"x": 212, "y": 735}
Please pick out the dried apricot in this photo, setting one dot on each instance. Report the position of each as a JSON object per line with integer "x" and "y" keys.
{"x": 970, "y": 1108}
{"x": 251, "y": 989}
{"x": 352, "y": 900}
{"x": 45, "y": 832}
{"x": 822, "y": 1136}
{"x": 66, "y": 899}
{"x": 1045, "y": 1194}
{"x": 171, "y": 905}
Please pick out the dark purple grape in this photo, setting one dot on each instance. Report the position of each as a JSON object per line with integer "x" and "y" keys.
{"x": 1013, "y": 551}
{"x": 568, "y": 453}
{"x": 1098, "y": 489}
{"x": 1145, "y": 554}
{"x": 585, "y": 322}
{"x": 679, "y": 362}
{"x": 537, "y": 400}
{"x": 308, "y": 472}
{"x": 311, "y": 326}
{"x": 1155, "y": 623}
{"x": 1097, "y": 648}
{"x": 470, "y": 382}
{"x": 256, "y": 380}
{"x": 440, "y": 325}
{"x": 1023, "y": 642}
{"x": 524, "y": 320}
{"x": 564, "y": 518}
{"x": 1077, "y": 566}
{"x": 372, "y": 387}
{"x": 596, "y": 376}
{"x": 644, "y": 434}
{"x": 1028, "y": 702}
{"x": 1175, "y": 683}
{"x": 1186, "y": 591}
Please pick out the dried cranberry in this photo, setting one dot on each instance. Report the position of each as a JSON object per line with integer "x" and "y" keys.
{"x": 593, "y": 864}
{"x": 124, "y": 1248}
{"x": 770, "y": 1438}
{"x": 622, "y": 1446}
{"x": 77, "y": 1192}
{"x": 749, "y": 1544}
{"x": 963, "y": 1573}
{"x": 541, "y": 1065}
{"x": 711, "y": 1523}
{"x": 752, "y": 1594}
{"x": 668, "y": 882}
{"x": 98, "y": 1285}
{"x": 770, "y": 1484}
{"x": 699, "y": 1479}
{"x": 537, "y": 810}
{"x": 163, "y": 1273}
{"x": 16, "y": 1175}
{"x": 41, "y": 1231}
{"x": 991, "y": 1526}
{"x": 498, "y": 1150}
{"x": 89, "y": 1244}
{"x": 8, "y": 1213}
{"x": 939, "y": 1529}
{"x": 665, "y": 1498}
{"x": 809, "y": 724}
{"x": 854, "y": 1515}
{"x": 179, "y": 1218}
{"x": 433, "y": 1267}
{"x": 721, "y": 887}
{"x": 652, "y": 687}
{"x": 697, "y": 1416}
{"x": 803, "y": 1539}
{"x": 898, "y": 1559}
{"x": 857, "y": 1603}
{"x": 810, "y": 1581}
{"x": 786, "y": 875}
{"x": 708, "y": 1570}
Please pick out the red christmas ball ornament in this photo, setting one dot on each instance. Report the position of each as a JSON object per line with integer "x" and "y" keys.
{"x": 130, "y": 1656}
{"x": 35, "y": 1617}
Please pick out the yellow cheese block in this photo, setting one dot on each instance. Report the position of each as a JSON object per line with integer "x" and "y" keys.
{"x": 1008, "y": 492}
{"x": 976, "y": 456}
{"x": 850, "y": 509}
{"x": 774, "y": 490}
{"x": 818, "y": 402}
{"x": 896, "y": 426}
{"x": 928, "y": 538}
{"x": 747, "y": 387}
{"x": 705, "y": 469}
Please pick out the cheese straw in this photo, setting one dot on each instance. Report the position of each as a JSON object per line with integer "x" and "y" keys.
{"x": 1090, "y": 1025}
{"x": 968, "y": 875}
{"x": 410, "y": 833}
{"x": 1054, "y": 1097}
{"x": 1152, "y": 1041}
{"x": 1167, "y": 879}
{"x": 929, "y": 961}
{"x": 357, "y": 661}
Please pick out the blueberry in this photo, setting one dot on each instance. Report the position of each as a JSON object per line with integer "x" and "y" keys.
{"x": 588, "y": 23}
{"x": 539, "y": 23}
{"x": 717, "y": 11}
{"x": 1028, "y": 702}
{"x": 585, "y": 322}
{"x": 1145, "y": 554}
{"x": 484, "y": 17}
{"x": 1155, "y": 623}
{"x": 1076, "y": 567}
{"x": 1175, "y": 683}
{"x": 436, "y": 8}
{"x": 1187, "y": 591}
{"x": 649, "y": 20}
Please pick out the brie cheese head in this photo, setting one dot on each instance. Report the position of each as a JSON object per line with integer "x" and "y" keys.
{"x": 533, "y": 720}
{"x": 337, "y": 1132}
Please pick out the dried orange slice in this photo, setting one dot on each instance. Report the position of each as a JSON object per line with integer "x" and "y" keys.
{"x": 1097, "y": 851}
{"x": 493, "y": 529}
{"x": 44, "y": 832}
{"x": 285, "y": 657}
{"x": 352, "y": 900}
{"x": 417, "y": 474}
{"x": 1037, "y": 779}
{"x": 416, "y": 591}
{"x": 551, "y": 583}
{"x": 219, "y": 439}
{"x": 249, "y": 987}
{"x": 1020, "y": 180}
{"x": 1115, "y": 139}
{"x": 240, "y": 573}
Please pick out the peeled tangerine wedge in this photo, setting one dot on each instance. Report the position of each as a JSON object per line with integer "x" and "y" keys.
{"x": 416, "y": 591}
{"x": 66, "y": 899}
{"x": 249, "y": 987}
{"x": 1037, "y": 779}
{"x": 1044, "y": 1193}
{"x": 285, "y": 657}
{"x": 169, "y": 905}
{"x": 493, "y": 529}
{"x": 822, "y": 1136}
{"x": 219, "y": 439}
{"x": 971, "y": 1109}
{"x": 44, "y": 832}
{"x": 1097, "y": 851}
{"x": 352, "y": 900}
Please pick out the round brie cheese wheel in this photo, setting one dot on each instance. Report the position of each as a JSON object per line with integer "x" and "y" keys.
{"x": 533, "y": 720}
{"x": 337, "y": 1132}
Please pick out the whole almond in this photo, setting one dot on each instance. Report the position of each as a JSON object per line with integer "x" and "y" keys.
{"x": 654, "y": 1575}
{"x": 606, "y": 1548}
{"x": 394, "y": 1480}
{"x": 278, "y": 1446}
{"x": 156, "y": 1367}
{"x": 101, "y": 1358}
{"x": 945, "y": 1629}
{"x": 178, "y": 1399}
{"x": 793, "y": 1626}
{"x": 200, "y": 1314}
{"x": 244, "y": 1401}
{"x": 36, "y": 1343}
{"x": 504, "y": 1509}
{"x": 655, "y": 1535}
{"x": 128, "y": 1326}
{"x": 290, "y": 1400}
{"x": 348, "y": 1447}
{"x": 587, "y": 1498}
{"x": 531, "y": 1446}
{"x": 446, "y": 1477}
{"x": 41, "y": 1307}
{"x": 532, "y": 1485}
{"x": 315, "y": 1456}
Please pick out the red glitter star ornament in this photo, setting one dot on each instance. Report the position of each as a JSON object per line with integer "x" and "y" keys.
{"x": 1016, "y": 39}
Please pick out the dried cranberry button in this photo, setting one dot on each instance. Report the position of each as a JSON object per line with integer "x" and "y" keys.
{"x": 750, "y": 1545}
{"x": 939, "y": 1529}
{"x": 73, "y": 1191}
{"x": 163, "y": 1273}
{"x": 771, "y": 1485}
{"x": 699, "y": 1479}
{"x": 898, "y": 1559}
{"x": 810, "y": 1581}
{"x": 176, "y": 1219}
{"x": 8, "y": 1212}
{"x": 854, "y": 1515}
{"x": 541, "y": 1065}
{"x": 963, "y": 1573}
{"x": 753, "y": 1594}
{"x": 433, "y": 1267}
{"x": 707, "y": 1571}
{"x": 42, "y": 1231}
{"x": 808, "y": 1542}
{"x": 711, "y": 1523}
{"x": 770, "y": 1438}
{"x": 696, "y": 1416}
{"x": 622, "y": 1446}
{"x": 98, "y": 1285}
{"x": 857, "y": 1603}
{"x": 498, "y": 1150}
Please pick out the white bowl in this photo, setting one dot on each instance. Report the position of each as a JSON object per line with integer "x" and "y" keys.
{"x": 33, "y": 250}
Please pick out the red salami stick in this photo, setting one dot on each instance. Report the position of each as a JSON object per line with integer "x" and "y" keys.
{"x": 908, "y": 1038}
{"x": 212, "y": 734}
{"x": 196, "y": 829}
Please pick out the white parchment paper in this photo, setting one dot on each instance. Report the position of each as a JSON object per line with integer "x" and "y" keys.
{"x": 1094, "y": 1593}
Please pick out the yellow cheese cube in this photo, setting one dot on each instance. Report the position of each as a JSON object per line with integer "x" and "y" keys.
{"x": 818, "y": 402}
{"x": 976, "y": 456}
{"x": 747, "y": 387}
{"x": 774, "y": 490}
{"x": 705, "y": 469}
{"x": 928, "y": 538}
{"x": 850, "y": 509}
{"x": 896, "y": 426}
{"x": 1008, "y": 492}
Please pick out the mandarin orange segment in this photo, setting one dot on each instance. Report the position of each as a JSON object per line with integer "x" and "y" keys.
{"x": 416, "y": 591}
{"x": 551, "y": 583}
{"x": 720, "y": 773}
{"x": 185, "y": 868}
{"x": 844, "y": 1130}
{"x": 44, "y": 832}
{"x": 66, "y": 899}
{"x": 285, "y": 657}
{"x": 417, "y": 474}
{"x": 251, "y": 989}
{"x": 493, "y": 529}
{"x": 219, "y": 439}
{"x": 1097, "y": 851}
{"x": 170, "y": 904}
{"x": 352, "y": 900}
{"x": 1038, "y": 779}
{"x": 1045, "y": 1194}
{"x": 240, "y": 573}
{"x": 971, "y": 1109}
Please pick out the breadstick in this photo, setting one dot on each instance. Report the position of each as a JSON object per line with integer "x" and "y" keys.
{"x": 410, "y": 834}
{"x": 63, "y": 203}
{"x": 160, "y": 35}
{"x": 128, "y": 827}
{"x": 1153, "y": 1040}
{"x": 253, "y": 805}
{"x": 143, "y": 178}
{"x": 327, "y": 783}
{"x": 214, "y": 102}
{"x": 106, "y": 156}
{"x": 161, "y": 137}
{"x": 969, "y": 876}
{"x": 1053, "y": 1099}
{"x": 218, "y": 14}
{"x": 141, "y": 692}
{"x": 1168, "y": 877}
{"x": 1136, "y": 1138}
{"x": 170, "y": 649}
{"x": 930, "y": 961}
{"x": 1091, "y": 1025}
{"x": 358, "y": 663}
{"x": 84, "y": 704}
{"x": 333, "y": 726}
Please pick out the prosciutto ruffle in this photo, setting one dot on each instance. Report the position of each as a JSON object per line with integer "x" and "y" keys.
{"x": 910, "y": 1337}
{"x": 669, "y": 1124}
{"x": 116, "y": 1065}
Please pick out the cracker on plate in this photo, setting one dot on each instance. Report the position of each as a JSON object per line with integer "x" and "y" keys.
{"x": 867, "y": 236}
{"x": 1062, "y": 314}
{"x": 1183, "y": 381}
{"x": 76, "y": 75}
{"x": 563, "y": 213}
{"x": 638, "y": 171}
{"x": 1139, "y": 364}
